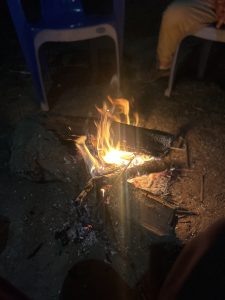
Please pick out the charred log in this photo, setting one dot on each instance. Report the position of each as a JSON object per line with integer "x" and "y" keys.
{"x": 154, "y": 142}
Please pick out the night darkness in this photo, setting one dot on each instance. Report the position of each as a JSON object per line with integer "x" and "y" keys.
{"x": 49, "y": 248}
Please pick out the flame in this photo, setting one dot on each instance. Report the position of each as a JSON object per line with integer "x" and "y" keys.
{"x": 109, "y": 154}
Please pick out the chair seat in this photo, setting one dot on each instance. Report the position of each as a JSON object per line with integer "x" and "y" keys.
{"x": 211, "y": 33}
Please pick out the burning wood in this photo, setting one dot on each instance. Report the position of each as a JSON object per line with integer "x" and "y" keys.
{"x": 138, "y": 139}
{"x": 118, "y": 155}
{"x": 155, "y": 183}
{"x": 116, "y": 144}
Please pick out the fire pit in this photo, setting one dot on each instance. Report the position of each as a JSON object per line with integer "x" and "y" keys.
{"x": 129, "y": 171}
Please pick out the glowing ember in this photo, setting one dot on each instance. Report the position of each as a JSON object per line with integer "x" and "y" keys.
{"x": 109, "y": 154}
{"x": 155, "y": 183}
{"x": 118, "y": 157}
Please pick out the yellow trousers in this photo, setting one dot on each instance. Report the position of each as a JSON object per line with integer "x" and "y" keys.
{"x": 182, "y": 18}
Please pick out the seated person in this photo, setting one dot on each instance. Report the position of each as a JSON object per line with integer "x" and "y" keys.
{"x": 182, "y": 18}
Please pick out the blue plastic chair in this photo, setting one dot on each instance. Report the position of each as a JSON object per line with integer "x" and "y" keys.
{"x": 63, "y": 21}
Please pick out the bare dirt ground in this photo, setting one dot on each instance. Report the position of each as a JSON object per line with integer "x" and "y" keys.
{"x": 32, "y": 211}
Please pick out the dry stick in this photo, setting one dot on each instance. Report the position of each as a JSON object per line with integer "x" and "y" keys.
{"x": 185, "y": 149}
{"x": 202, "y": 188}
{"x": 180, "y": 142}
{"x": 122, "y": 172}
{"x": 179, "y": 145}
{"x": 127, "y": 166}
{"x": 172, "y": 206}
{"x": 83, "y": 194}
{"x": 187, "y": 155}
{"x": 177, "y": 149}
{"x": 186, "y": 212}
{"x": 90, "y": 184}
{"x": 87, "y": 189}
{"x": 157, "y": 199}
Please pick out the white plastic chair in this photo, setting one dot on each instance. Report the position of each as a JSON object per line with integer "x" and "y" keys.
{"x": 208, "y": 33}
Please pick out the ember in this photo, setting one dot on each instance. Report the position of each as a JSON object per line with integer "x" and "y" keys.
{"x": 155, "y": 183}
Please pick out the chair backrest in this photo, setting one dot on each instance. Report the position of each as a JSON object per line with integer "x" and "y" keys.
{"x": 54, "y": 8}
{"x": 58, "y": 8}
{"x": 18, "y": 16}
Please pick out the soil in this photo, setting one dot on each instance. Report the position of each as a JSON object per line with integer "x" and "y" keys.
{"x": 33, "y": 208}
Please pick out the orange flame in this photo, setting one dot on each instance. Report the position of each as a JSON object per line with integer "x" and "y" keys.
{"x": 108, "y": 153}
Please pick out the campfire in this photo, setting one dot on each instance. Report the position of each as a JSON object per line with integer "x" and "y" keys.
{"x": 106, "y": 153}
{"x": 130, "y": 172}
{"x": 119, "y": 144}
{"x": 121, "y": 153}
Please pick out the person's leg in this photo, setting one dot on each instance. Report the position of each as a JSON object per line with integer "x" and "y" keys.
{"x": 198, "y": 272}
{"x": 180, "y": 19}
{"x": 95, "y": 280}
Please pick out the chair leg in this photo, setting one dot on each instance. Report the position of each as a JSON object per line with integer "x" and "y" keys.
{"x": 168, "y": 91}
{"x": 38, "y": 79}
{"x": 33, "y": 62}
{"x": 44, "y": 106}
{"x": 206, "y": 48}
